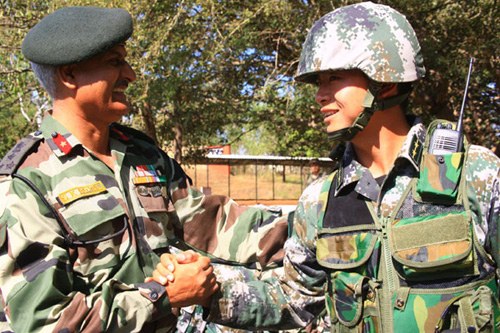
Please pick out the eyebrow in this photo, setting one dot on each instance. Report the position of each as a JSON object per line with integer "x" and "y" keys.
{"x": 118, "y": 53}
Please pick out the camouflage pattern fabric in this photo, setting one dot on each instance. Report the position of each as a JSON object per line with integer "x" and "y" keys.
{"x": 47, "y": 285}
{"x": 440, "y": 175}
{"x": 191, "y": 319}
{"x": 376, "y": 295}
{"x": 371, "y": 37}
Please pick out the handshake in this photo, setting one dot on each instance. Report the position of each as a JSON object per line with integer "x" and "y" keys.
{"x": 188, "y": 278}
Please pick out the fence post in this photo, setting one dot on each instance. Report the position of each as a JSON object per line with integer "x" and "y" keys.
{"x": 256, "y": 184}
{"x": 229, "y": 179}
{"x": 274, "y": 168}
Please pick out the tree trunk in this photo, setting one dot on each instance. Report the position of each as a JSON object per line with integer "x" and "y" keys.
{"x": 149, "y": 122}
{"x": 177, "y": 128}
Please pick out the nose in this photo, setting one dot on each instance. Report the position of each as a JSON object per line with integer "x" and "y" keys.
{"x": 323, "y": 94}
{"x": 128, "y": 72}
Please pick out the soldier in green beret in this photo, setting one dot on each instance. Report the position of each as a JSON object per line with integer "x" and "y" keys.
{"x": 90, "y": 204}
{"x": 404, "y": 235}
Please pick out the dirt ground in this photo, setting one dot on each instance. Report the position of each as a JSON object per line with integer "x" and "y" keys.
{"x": 249, "y": 185}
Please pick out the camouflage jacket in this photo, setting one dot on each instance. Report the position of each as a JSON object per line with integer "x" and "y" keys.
{"x": 85, "y": 272}
{"x": 411, "y": 266}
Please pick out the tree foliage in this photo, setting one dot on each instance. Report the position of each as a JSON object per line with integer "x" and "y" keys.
{"x": 212, "y": 71}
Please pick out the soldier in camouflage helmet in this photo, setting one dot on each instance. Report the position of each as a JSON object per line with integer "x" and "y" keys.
{"x": 398, "y": 238}
{"x": 88, "y": 205}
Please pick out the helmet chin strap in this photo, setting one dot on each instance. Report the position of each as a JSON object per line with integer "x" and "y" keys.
{"x": 370, "y": 104}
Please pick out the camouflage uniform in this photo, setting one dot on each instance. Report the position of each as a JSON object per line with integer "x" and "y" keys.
{"x": 86, "y": 273}
{"x": 311, "y": 178}
{"x": 374, "y": 285}
{"x": 417, "y": 251}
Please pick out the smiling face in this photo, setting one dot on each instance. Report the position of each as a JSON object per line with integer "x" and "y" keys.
{"x": 101, "y": 82}
{"x": 340, "y": 95}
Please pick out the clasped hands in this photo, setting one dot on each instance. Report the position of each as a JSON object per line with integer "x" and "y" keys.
{"x": 188, "y": 278}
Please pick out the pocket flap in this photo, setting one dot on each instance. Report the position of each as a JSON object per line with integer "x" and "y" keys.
{"x": 431, "y": 241}
{"x": 90, "y": 212}
{"x": 348, "y": 297}
{"x": 153, "y": 197}
{"x": 345, "y": 249}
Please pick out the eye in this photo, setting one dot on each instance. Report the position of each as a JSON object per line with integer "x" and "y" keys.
{"x": 117, "y": 62}
{"x": 333, "y": 77}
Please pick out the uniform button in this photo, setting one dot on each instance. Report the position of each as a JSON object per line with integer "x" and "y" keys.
{"x": 154, "y": 295}
{"x": 400, "y": 303}
{"x": 441, "y": 159}
{"x": 54, "y": 134}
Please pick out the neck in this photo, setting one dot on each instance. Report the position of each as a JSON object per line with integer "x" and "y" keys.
{"x": 94, "y": 136}
{"x": 378, "y": 145}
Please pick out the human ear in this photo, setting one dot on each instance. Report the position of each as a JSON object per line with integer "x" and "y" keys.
{"x": 66, "y": 76}
{"x": 389, "y": 89}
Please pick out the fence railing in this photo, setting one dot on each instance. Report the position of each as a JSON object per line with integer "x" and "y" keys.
{"x": 253, "y": 179}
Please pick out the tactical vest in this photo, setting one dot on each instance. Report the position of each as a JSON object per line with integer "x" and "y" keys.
{"x": 421, "y": 269}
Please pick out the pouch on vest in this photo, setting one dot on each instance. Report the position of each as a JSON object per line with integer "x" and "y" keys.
{"x": 352, "y": 302}
{"x": 352, "y": 299}
{"x": 472, "y": 311}
{"x": 433, "y": 246}
{"x": 440, "y": 175}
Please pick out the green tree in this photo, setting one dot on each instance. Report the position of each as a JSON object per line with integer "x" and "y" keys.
{"x": 208, "y": 69}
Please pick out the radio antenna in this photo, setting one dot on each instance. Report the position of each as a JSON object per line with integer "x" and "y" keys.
{"x": 461, "y": 115}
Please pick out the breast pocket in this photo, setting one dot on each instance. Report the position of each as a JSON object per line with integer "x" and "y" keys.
{"x": 157, "y": 220}
{"x": 153, "y": 197}
{"x": 97, "y": 225}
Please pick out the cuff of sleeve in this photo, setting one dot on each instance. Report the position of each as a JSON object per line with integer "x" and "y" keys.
{"x": 220, "y": 310}
{"x": 157, "y": 294}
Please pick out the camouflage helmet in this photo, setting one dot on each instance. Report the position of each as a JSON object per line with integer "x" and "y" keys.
{"x": 374, "y": 38}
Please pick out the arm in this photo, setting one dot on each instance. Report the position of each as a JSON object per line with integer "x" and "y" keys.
{"x": 47, "y": 285}
{"x": 493, "y": 219}
{"x": 217, "y": 226}
{"x": 483, "y": 190}
{"x": 291, "y": 297}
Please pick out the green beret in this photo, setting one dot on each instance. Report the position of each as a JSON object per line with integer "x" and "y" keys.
{"x": 72, "y": 34}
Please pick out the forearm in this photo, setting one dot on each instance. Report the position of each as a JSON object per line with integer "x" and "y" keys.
{"x": 291, "y": 298}
{"x": 47, "y": 296}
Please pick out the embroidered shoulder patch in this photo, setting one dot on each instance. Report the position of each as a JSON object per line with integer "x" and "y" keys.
{"x": 79, "y": 192}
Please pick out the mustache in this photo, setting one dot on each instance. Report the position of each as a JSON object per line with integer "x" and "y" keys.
{"x": 122, "y": 84}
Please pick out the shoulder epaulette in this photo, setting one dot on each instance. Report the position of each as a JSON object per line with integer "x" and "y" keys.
{"x": 133, "y": 133}
{"x": 12, "y": 160}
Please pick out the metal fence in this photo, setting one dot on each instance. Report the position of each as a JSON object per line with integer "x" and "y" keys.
{"x": 253, "y": 179}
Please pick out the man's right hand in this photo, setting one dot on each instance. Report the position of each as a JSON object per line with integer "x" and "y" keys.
{"x": 194, "y": 280}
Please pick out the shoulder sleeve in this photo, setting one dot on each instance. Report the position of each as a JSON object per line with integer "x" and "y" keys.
{"x": 290, "y": 298}
{"x": 217, "y": 226}
{"x": 15, "y": 156}
{"x": 483, "y": 191}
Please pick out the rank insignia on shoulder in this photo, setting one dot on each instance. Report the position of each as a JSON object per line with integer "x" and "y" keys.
{"x": 416, "y": 150}
{"x": 61, "y": 143}
{"x": 146, "y": 174}
{"x": 79, "y": 192}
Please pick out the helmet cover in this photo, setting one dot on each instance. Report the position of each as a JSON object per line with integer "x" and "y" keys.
{"x": 374, "y": 38}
